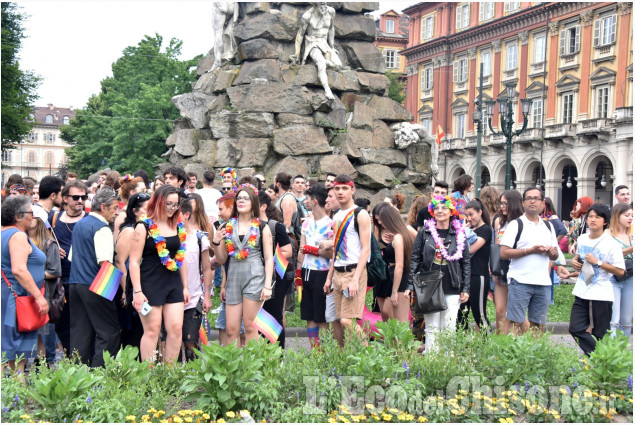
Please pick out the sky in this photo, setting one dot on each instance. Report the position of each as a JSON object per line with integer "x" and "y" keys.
{"x": 72, "y": 44}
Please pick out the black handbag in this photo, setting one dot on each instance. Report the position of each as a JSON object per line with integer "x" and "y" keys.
{"x": 56, "y": 298}
{"x": 495, "y": 262}
{"x": 628, "y": 266}
{"x": 428, "y": 289}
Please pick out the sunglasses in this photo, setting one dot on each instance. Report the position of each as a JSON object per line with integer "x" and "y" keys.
{"x": 78, "y": 197}
{"x": 226, "y": 189}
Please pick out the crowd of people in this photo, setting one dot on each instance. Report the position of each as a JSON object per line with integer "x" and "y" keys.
{"x": 176, "y": 240}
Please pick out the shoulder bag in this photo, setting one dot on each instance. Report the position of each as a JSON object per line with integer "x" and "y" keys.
{"x": 428, "y": 289}
{"x": 55, "y": 293}
{"x": 27, "y": 311}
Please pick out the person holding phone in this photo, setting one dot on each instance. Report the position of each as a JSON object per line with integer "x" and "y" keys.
{"x": 158, "y": 273}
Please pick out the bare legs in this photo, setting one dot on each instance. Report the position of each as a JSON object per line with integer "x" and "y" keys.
{"x": 172, "y": 314}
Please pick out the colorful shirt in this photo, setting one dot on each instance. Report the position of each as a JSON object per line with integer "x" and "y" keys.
{"x": 314, "y": 232}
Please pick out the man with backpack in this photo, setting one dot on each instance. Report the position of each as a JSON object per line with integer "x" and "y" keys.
{"x": 292, "y": 216}
{"x": 529, "y": 243}
{"x": 347, "y": 276}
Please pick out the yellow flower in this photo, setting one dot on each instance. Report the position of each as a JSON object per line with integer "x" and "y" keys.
{"x": 332, "y": 420}
{"x": 188, "y": 419}
{"x": 152, "y": 410}
{"x": 454, "y": 412}
{"x": 195, "y": 412}
{"x": 563, "y": 391}
{"x": 230, "y": 415}
{"x": 502, "y": 420}
{"x": 421, "y": 419}
{"x": 355, "y": 418}
{"x": 343, "y": 420}
{"x": 375, "y": 417}
{"x": 556, "y": 416}
{"x": 369, "y": 406}
{"x": 206, "y": 416}
{"x": 603, "y": 397}
{"x": 131, "y": 417}
{"x": 401, "y": 416}
{"x": 145, "y": 418}
{"x": 393, "y": 410}
{"x": 164, "y": 421}
{"x": 387, "y": 417}
{"x": 25, "y": 416}
{"x": 221, "y": 421}
{"x": 177, "y": 419}
{"x": 509, "y": 420}
{"x": 512, "y": 411}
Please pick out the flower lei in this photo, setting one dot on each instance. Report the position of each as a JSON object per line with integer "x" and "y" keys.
{"x": 460, "y": 239}
{"x": 164, "y": 254}
{"x": 251, "y": 242}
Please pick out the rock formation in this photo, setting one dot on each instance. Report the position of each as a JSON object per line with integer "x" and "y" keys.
{"x": 262, "y": 112}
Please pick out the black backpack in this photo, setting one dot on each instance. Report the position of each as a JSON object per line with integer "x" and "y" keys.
{"x": 296, "y": 220}
{"x": 376, "y": 267}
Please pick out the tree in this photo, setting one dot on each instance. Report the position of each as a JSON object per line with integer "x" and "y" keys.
{"x": 18, "y": 87}
{"x": 125, "y": 126}
{"x": 395, "y": 91}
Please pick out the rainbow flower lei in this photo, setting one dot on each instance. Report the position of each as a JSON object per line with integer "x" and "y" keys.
{"x": 447, "y": 200}
{"x": 164, "y": 254}
{"x": 460, "y": 239}
{"x": 251, "y": 242}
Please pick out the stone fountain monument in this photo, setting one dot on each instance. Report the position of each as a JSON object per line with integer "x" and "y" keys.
{"x": 300, "y": 88}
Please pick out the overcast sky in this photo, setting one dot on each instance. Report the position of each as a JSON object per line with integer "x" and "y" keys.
{"x": 72, "y": 44}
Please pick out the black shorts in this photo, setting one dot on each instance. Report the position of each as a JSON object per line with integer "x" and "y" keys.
{"x": 192, "y": 319}
{"x": 159, "y": 295}
{"x": 313, "y": 304}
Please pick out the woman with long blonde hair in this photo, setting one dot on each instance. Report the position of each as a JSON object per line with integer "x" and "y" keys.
{"x": 621, "y": 228}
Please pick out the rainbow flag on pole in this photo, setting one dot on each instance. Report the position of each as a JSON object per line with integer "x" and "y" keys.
{"x": 107, "y": 281}
{"x": 204, "y": 330}
{"x": 279, "y": 262}
{"x": 267, "y": 325}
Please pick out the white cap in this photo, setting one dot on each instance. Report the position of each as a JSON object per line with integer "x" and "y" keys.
{"x": 260, "y": 177}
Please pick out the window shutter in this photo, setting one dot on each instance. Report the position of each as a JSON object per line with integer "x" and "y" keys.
{"x": 563, "y": 42}
{"x": 397, "y": 60}
{"x": 466, "y": 15}
{"x": 430, "y": 27}
{"x": 577, "y": 38}
{"x": 481, "y": 11}
{"x": 458, "y": 17}
{"x": 506, "y": 6}
{"x": 455, "y": 71}
{"x": 596, "y": 32}
{"x": 613, "y": 27}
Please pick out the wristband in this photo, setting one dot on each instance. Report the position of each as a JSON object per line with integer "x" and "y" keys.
{"x": 308, "y": 249}
{"x": 214, "y": 243}
{"x": 137, "y": 292}
{"x": 297, "y": 280}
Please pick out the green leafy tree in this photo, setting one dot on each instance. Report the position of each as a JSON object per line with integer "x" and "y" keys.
{"x": 395, "y": 91}
{"x": 124, "y": 127}
{"x": 18, "y": 86}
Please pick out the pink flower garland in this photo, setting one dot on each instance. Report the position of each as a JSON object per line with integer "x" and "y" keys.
{"x": 460, "y": 239}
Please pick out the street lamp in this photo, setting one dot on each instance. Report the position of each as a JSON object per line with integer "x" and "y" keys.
{"x": 477, "y": 118}
{"x": 506, "y": 110}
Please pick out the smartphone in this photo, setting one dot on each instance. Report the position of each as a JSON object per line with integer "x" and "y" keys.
{"x": 345, "y": 293}
{"x": 145, "y": 308}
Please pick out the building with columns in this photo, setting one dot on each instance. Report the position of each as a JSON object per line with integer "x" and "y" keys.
{"x": 42, "y": 151}
{"x": 574, "y": 60}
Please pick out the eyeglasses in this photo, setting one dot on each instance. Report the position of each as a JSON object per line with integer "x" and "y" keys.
{"x": 172, "y": 205}
{"x": 243, "y": 198}
{"x": 504, "y": 204}
{"x": 27, "y": 212}
{"x": 533, "y": 198}
{"x": 226, "y": 189}
{"x": 78, "y": 197}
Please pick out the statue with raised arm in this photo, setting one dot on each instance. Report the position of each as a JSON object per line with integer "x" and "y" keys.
{"x": 224, "y": 17}
{"x": 318, "y": 33}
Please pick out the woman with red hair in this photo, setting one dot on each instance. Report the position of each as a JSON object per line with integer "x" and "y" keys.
{"x": 158, "y": 273}
{"x": 578, "y": 224}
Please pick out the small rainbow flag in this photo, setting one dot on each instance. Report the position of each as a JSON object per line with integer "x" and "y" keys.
{"x": 267, "y": 325}
{"x": 107, "y": 281}
{"x": 280, "y": 263}
{"x": 204, "y": 330}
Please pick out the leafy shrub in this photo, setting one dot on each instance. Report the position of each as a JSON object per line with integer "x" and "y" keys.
{"x": 611, "y": 364}
{"x": 125, "y": 369}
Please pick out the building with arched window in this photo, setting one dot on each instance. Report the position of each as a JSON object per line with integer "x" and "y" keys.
{"x": 574, "y": 60}
{"x": 42, "y": 151}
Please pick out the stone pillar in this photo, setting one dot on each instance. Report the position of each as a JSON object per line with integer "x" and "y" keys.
{"x": 620, "y": 168}
{"x": 585, "y": 65}
{"x": 523, "y": 64}
{"x": 496, "y": 86}
{"x": 586, "y": 187}
{"x": 472, "y": 94}
{"x": 551, "y": 189}
{"x": 521, "y": 185}
{"x": 552, "y": 72}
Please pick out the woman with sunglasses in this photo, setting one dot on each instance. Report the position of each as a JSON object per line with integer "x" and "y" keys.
{"x": 441, "y": 245}
{"x": 131, "y": 329}
{"x": 158, "y": 273}
{"x": 246, "y": 243}
{"x": 129, "y": 186}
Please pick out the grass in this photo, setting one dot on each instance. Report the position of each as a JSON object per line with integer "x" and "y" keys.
{"x": 560, "y": 311}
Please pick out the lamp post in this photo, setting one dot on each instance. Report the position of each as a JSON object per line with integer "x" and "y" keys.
{"x": 506, "y": 111}
{"x": 477, "y": 118}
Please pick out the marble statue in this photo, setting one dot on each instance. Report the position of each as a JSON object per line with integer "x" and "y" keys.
{"x": 224, "y": 17}
{"x": 407, "y": 134}
{"x": 317, "y": 31}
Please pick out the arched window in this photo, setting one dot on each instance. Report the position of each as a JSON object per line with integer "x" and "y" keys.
{"x": 31, "y": 158}
{"x": 49, "y": 158}
{"x": 48, "y": 119}
{"x": 66, "y": 120}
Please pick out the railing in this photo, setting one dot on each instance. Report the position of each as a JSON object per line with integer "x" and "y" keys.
{"x": 594, "y": 125}
{"x": 560, "y": 130}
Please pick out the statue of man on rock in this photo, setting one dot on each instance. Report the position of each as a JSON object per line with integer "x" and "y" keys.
{"x": 318, "y": 33}
{"x": 224, "y": 17}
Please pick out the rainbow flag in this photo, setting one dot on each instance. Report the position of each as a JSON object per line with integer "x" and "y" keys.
{"x": 279, "y": 262}
{"x": 107, "y": 281}
{"x": 204, "y": 330}
{"x": 267, "y": 325}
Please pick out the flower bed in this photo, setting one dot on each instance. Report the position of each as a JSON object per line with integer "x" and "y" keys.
{"x": 473, "y": 378}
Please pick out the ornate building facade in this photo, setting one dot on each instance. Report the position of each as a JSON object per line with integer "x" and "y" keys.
{"x": 42, "y": 151}
{"x": 392, "y": 37}
{"x": 574, "y": 60}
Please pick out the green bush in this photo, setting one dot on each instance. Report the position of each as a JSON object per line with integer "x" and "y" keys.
{"x": 610, "y": 365}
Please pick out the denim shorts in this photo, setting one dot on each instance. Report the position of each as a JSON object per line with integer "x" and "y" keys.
{"x": 221, "y": 320}
{"x": 534, "y": 299}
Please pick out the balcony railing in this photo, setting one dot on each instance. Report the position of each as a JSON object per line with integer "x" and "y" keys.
{"x": 595, "y": 125}
{"x": 453, "y": 144}
{"x": 560, "y": 130}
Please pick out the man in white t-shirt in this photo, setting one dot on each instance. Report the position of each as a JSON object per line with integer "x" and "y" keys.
{"x": 528, "y": 276}
{"x": 347, "y": 273}
{"x": 210, "y": 195}
{"x": 593, "y": 303}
